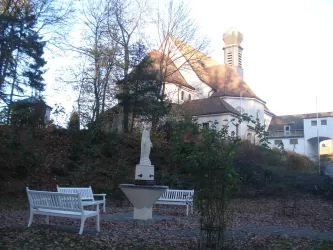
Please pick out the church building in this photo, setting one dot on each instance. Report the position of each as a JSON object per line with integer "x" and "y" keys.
{"x": 214, "y": 92}
{"x": 209, "y": 90}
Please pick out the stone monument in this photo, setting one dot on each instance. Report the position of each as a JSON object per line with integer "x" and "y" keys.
{"x": 143, "y": 193}
{"x": 144, "y": 171}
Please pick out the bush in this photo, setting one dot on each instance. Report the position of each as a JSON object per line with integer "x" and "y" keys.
{"x": 297, "y": 161}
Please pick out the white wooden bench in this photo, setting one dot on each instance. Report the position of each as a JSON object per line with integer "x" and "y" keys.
{"x": 59, "y": 204}
{"x": 86, "y": 193}
{"x": 177, "y": 197}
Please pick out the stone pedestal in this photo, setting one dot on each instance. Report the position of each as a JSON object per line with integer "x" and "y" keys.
{"x": 143, "y": 213}
{"x": 143, "y": 197}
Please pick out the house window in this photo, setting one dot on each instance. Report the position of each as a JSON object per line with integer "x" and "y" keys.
{"x": 182, "y": 95}
{"x": 189, "y": 97}
{"x": 205, "y": 125}
{"x": 237, "y": 130}
{"x": 313, "y": 123}
{"x": 323, "y": 122}
{"x": 258, "y": 114}
{"x": 293, "y": 141}
{"x": 287, "y": 130}
{"x": 277, "y": 142}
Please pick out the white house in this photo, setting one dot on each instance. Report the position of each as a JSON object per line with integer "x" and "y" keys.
{"x": 301, "y": 133}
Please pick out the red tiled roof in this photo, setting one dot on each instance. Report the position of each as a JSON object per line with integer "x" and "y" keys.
{"x": 173, "y": 74}
{"x": 221, "y": 77}
{"x": 213, "y": 105}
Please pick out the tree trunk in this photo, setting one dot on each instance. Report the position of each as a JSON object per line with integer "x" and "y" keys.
{"x": 126, "y": 104}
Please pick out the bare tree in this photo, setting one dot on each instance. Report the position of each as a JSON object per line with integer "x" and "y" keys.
{"x": 125, "y": 18}
{"x": 93, "y": 76}
{"x": 178, "y": 32}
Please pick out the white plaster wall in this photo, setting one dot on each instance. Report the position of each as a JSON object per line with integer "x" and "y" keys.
{"x": 249, "y": 105}
{"x": 267, "y": 120}
{"x": 173, "y": 93}
{"x": 222, "y": 119}
{"x": 47, "y": 114}
{"x": 300, "y": 148}
{"x": 323, "y": 130}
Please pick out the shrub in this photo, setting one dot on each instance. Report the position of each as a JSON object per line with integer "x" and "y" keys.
{"x": 297, "y": 161}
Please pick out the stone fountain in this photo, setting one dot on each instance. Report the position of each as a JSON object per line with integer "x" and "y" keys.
{"x": 143, "y": 193}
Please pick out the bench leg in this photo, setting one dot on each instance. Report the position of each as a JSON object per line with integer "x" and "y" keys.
{"x": 104, "y": 205}
{"x": 47, "y": 219}
{"x": 192, "y": 208}
{"x": 97, "y": 223}
{"x": 83, "y": 219}
{"x": 187, "y": 210}
{"x": 30, "y": 218}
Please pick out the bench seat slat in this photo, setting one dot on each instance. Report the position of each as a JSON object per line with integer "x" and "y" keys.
{"x": 62, "y": 212}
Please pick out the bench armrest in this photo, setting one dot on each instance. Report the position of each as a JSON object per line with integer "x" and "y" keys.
{"x": 99, "y": 194}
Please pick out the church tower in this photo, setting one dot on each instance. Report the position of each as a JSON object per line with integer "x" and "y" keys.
{"x": 233, "y": 50}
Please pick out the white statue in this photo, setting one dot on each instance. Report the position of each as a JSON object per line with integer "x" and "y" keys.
{"x": 146, "y": 146}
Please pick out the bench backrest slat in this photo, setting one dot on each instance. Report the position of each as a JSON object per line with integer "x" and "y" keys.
{"x": 85, "y": 192}
{"x": 177, "y": 195}
{"x": 54, "y": 200}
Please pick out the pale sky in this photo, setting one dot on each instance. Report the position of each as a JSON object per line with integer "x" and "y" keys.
{"x": 288, "y": 49}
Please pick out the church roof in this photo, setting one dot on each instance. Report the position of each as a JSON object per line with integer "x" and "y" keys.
{"x": 33, "y": 99}
{"x": 221, "y": 77}
{"x": 278, "y": 122}
{"x": 296, "y": 121}
{"x": 173, "y": 74}
{"x": 207, "y": 106}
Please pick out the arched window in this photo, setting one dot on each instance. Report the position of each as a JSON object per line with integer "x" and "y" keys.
{"x": 189, "y": 97}
{"x": 182, "y": 95}
{"x": 249, "y": 137}
{"x": 258, "y": 114}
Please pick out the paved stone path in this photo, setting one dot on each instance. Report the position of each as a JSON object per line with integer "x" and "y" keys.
{"x": 239, "y": 233}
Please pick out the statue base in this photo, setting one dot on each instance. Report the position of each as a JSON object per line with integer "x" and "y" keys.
{"x": 144, "y": 182}
{"x": 144, "y": 174}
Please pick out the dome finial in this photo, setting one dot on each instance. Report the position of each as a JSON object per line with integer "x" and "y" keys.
{"x": 232, "y": 36}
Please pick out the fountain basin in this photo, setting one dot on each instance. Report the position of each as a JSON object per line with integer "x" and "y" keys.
{"x": 143, "y": 197}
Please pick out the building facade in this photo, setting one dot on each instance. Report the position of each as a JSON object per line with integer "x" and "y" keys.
{"x": 303, "y": 133}
{"x": 211, "y": 91}
{"x": 214, "y": 92}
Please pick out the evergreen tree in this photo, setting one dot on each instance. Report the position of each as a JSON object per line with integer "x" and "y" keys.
{"x": 21, "y": 50}
{"x": 142, "y": 96}
{"x": 74, "y": 122}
